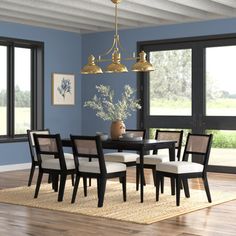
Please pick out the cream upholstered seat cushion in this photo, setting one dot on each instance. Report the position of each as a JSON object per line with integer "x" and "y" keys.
{"x": 45, "y": 157}
{"x": 71, "y": 156}
{"x": 154, "y": 159}
{"x": 123, "y": 157}
{"x": 179, "y": 167}
{"x": 53, "y": 163}
{"x": 68, "y": 155}
{"x": 93, "y": 167}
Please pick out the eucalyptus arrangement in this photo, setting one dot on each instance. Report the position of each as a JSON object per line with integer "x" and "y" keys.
{"x": 107, "y": 109}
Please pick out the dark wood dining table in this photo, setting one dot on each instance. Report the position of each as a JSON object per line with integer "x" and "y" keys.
{"x": 141, "y": 147}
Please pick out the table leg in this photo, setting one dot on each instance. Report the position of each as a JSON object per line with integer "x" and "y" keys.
{"x": 172, "y": 158}
{"x": 141, "y": 174}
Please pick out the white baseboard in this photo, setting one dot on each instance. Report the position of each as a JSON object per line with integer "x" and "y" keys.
{"x": 22, "y": 166}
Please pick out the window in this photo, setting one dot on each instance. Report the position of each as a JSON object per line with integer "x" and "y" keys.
{"x": 21, "y": 88}
{"x": 170, "y": 84}
{"x": 3, "y": 88}
{"x": 22, "y": 69}
{"x": 193, "y": 88}
{"x": 220, "y": 81}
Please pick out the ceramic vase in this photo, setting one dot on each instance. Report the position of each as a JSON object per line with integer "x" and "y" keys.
{"x": 117, "y": 129}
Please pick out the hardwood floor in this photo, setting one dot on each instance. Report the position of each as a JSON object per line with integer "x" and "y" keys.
{"x": 18, "y": 220}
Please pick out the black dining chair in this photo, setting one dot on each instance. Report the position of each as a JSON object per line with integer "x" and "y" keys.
{"x": 91, "y": 147}
{"x": 128, "y": 158}
{"x": 34, "y": 160}
{"x": 198, "y": 146}
{"x": 52, "y": 161}
{"x": 150, "y": 161}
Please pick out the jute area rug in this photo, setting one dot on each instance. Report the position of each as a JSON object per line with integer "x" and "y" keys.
{"x": 114, "y": 208}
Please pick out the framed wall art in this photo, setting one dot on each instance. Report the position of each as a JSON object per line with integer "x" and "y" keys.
{"x": 63, "y": 89}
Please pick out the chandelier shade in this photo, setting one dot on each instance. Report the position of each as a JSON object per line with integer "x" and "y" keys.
{"x": 142, "y": 65}
{"x": 91, "y": 67}
{"x": 116, "y": 66}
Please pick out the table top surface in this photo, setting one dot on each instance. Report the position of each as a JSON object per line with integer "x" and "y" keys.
{"x": 147, "y": 144}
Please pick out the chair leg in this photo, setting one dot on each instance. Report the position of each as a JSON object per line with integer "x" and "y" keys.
{"x": 39, "y": 180}
{"x": 158, "y": 180}
{"x": 137, "y": 177}
{"x": 178, "y": 181}
{"x": 161, "y": 180}
{"x": 186, "y": 187}
{"x": 85, "y": 186}
{"x": 75, "y": 188}
{"x": 205, "y": 181}
{"x": 172, "y": 182}
{"x": 98, "y": 187}
{"x": 31, "y": 174}
{"x": 55, "y": 178}
{"x": 102, "y": 183}
{"x": 124, "y": 187}
{"x": 144, "y": 181}
{"x": 162, "y": 184}
{"x": 154, "y": 175}
{"x": 72, "y": 179}
{"x": 90, "y": 179}
{"x": 62, "y": 187}
{"x": 49, "y": 179}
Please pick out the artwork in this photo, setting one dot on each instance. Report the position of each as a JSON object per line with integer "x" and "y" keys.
{"x": 63, "y": 89}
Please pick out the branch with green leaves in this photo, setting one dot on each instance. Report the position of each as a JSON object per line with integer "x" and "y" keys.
{"x": 106, "y": 109}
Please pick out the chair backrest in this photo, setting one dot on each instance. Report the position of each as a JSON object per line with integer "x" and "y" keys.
{"x": 48, "y": 146}
{"x": 88, "y": 147}
{"x": 172, "y": 135}
{"x": 199, "y": 145}
{"x": 137, "y": 132}
{"x": 31, "y": 141}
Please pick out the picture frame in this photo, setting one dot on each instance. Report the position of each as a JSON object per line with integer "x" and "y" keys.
{"x": 63, "y": 89}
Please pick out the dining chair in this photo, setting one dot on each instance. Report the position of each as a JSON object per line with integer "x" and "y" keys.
{"x": 51, "y": 160}
{"x": 91, "y": 147}
{"x": 198, "y": 146}
{"x": 34, "y": 160}
{"x": 127, "y": 158}
{"x": 150, "y": 161}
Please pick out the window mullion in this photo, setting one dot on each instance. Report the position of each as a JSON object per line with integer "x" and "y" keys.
{"x": 10, "y": 91}
{"x": 33, "y": 89}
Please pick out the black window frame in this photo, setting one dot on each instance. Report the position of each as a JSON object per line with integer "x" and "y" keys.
{"x": 199, "y": 121}
{"x": 37, "y": 86}
{"x": 198, "y": 43}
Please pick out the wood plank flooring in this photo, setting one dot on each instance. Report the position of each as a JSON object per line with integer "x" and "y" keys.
{"x": 18, "y": 220}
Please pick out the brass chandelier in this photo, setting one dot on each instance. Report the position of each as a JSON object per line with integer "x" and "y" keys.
{"x": 142, "y": 65}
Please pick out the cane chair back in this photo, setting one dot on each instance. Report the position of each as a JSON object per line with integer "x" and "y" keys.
{"x": 172, "y": 135}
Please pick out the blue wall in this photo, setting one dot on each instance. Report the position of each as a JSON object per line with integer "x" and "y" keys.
{"x": 99, "y": 42}
{"x": 62, "y": 54}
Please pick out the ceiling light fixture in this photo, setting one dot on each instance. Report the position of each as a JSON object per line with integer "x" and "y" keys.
{"x": 142, "y": 65}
